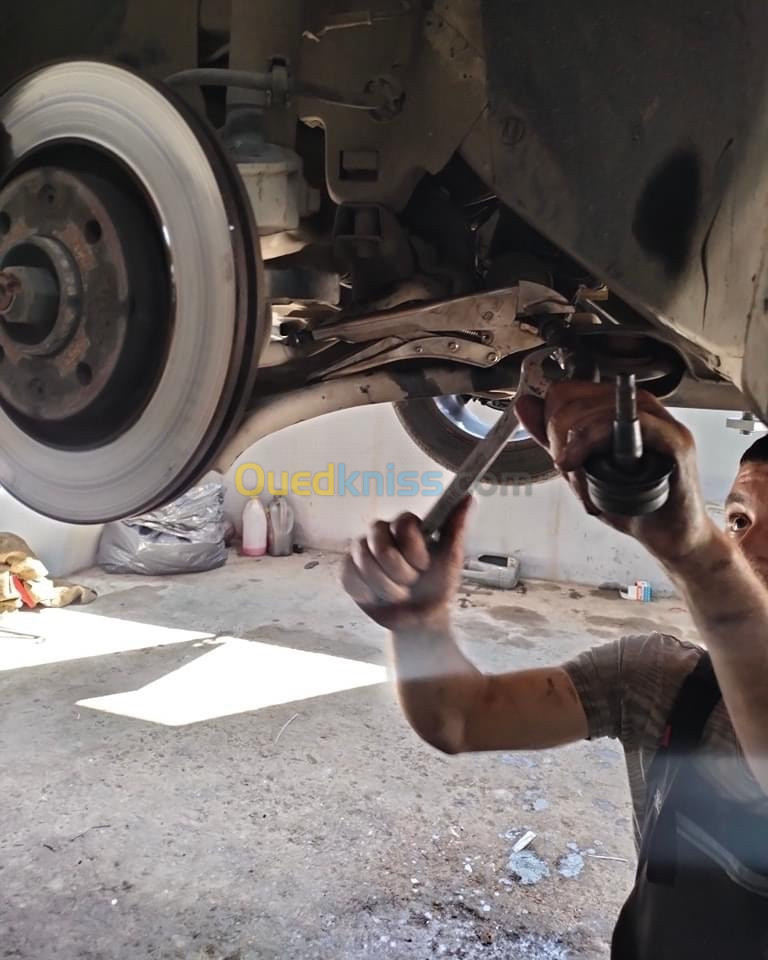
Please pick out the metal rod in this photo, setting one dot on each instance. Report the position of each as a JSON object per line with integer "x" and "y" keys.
{"x": 474, "y": 467}
{"x": 627, "y": 438}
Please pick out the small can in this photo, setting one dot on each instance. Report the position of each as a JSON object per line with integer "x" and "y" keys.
{"x": 639, "y": 590}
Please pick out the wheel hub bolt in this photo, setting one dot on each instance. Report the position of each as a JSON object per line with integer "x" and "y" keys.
{"x": 9, "y": 287}
{"x": 28, "y": 296}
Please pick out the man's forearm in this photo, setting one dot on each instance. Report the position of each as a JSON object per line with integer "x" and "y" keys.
{"x": 729, "y": 605}
{"x": 435, "y": 681}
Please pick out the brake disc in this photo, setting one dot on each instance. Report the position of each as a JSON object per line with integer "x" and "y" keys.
{"x": 130, "y": 354}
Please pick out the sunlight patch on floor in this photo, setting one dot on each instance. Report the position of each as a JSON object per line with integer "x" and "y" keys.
{"x": 56, "y": 636}
{"x": 238, "y": 676}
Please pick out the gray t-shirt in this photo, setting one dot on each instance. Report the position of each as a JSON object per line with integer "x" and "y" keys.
{"x": 627, "y": 689}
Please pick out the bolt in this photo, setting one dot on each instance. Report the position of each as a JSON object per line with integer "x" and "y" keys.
{"x": 488, "y": 315}
{"x": 418, "y": 349}
{"x": 453, "y": 346}
{"x": 486, "y": 337}
{"x": 492, "y": 357}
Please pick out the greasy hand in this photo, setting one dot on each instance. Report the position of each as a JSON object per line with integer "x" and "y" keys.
{"x": 576, "y": 420}
{"x": 400, "y": 582}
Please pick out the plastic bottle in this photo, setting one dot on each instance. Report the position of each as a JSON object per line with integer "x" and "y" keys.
{"x": 254, "y": 529}
{"x": 279, "y": 527}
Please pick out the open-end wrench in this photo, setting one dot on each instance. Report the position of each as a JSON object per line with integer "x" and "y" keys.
{"x": 533, "y": 380}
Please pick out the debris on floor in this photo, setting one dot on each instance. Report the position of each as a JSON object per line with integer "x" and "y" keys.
{"x": 24, "y": 580}
{"x": 570, "y": 864}
{"x": 524, "y": 841}
{"x": 526, "y": 867}
{"x": 398, "y": 931}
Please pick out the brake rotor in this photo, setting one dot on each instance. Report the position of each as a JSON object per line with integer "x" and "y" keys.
{"x": 130, "y": 338}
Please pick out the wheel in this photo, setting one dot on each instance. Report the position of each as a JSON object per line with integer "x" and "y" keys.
{"x": 129, "y": 350}
{"x": 447, "y": 428}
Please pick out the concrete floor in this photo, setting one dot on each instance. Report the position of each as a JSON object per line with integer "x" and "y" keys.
{"x": 311, "y": 828}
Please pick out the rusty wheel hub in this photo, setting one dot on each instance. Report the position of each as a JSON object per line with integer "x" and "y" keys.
{"x": 75, "y": 336}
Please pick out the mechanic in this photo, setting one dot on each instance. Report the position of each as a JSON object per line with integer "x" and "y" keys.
{"x": 693, "y": 724}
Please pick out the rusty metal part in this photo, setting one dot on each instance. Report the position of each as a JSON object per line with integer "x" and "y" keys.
{"x": 9, "y": 287}
{"x": 391, "y": 350}
{"x": 479, "y": 329}
{"x": 47, "y": 306}
{"x": 494, "y": 311}
{"x": 32, "y": 300}
{"x": 80, "y": 232}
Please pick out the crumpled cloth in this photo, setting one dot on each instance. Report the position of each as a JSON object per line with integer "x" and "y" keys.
{"x": 24, "y": 580}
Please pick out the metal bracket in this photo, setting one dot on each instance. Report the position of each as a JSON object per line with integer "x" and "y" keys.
{"x": 391, "y": 350}
{"x": 479, "y": 329}
{"x": 746, "y": 424}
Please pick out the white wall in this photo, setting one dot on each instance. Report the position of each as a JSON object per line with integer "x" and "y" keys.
{"x": 63, "y": 547}
{"x": 556, "y": 540}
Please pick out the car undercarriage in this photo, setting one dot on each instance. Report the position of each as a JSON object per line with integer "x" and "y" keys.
{"x": 220, "y": 219}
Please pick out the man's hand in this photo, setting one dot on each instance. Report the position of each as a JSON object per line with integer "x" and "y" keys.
{"x": 576, "y": 420}
{"x": 409, "y": 588}
{"x": 400, "y": 582}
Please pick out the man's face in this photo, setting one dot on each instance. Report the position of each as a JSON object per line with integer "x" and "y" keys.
{"x": 746, "y": 514}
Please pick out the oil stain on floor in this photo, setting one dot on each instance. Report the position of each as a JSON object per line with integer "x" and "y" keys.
{"x": 521, "y": 616}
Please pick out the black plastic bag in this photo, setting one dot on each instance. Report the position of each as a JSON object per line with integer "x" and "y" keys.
{"x": 185, "y": 536}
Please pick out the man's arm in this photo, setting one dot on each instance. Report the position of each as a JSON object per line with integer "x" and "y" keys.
{"x": 727, "y": 600}
{"x": 456, "y": 708}
{"x": 451, "y": 704}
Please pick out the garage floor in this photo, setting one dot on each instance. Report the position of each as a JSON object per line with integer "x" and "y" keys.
{"x": 312, "y": 823}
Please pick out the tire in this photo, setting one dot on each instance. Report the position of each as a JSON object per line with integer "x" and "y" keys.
{"x": 521, "y": 461}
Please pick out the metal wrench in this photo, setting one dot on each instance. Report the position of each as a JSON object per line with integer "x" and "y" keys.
{"x": 533, "y": 381}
